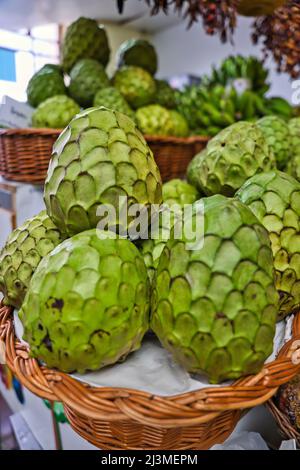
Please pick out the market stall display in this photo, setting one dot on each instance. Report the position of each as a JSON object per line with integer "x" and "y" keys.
{"x": 156, "y": 296}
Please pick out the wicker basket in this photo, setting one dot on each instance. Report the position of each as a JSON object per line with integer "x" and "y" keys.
{"x": 116, "y": 418}
{"x": 173, "y": 154}
{"x": 25, "y": 153}
{"x": 285, "y": 428}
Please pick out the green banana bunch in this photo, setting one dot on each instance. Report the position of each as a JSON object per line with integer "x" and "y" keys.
{"x": 279, "y": 107}
{"x": 235, "y": 67}
{"x": 209, "y": 110}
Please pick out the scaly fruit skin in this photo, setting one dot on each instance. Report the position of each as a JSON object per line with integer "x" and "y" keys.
{"x": 165, "y": 95}
{"x": 87, "y": 77}
{"x": 176, "y": 193}
{"x": 55, "y": 112}
{"x": 45, "y": 83}
{"x": 136, "y": 85}
{"x": 231, "y": 157}
{"x": 100, "y": 157}
{"x": 179, "y": 192}
{"x": 84, "y": 39}
{"x": 294, "y": 128}
{"x": 236, "y": 67}
{"x": 154, "y": 120}
{"x": 215, "y": 308}
{"x": 140, "y": 53}
{"x": 194, "y": 169}
{"x": 293, "y": 166}
{"x": 19, "y": 258}
{"x": 277, "y": 135}
{"x": 111, "y": 98}
{"x": 274, "y": 198}
{"x": 179, "y": 125}
{"x": 88, "y": 303}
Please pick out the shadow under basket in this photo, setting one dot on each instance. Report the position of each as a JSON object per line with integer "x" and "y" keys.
{"x": 118, "y": 418}
{"x": 25, "y": 153}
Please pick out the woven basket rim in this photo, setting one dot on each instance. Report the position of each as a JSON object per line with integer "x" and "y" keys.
{"x": 26, "y": 131}
{"x": 115, "y": 404}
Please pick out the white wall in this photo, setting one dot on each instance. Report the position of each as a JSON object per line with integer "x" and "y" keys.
{"x": 193, "y": 51}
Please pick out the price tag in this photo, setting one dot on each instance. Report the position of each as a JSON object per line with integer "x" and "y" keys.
{"x": 241, "y": 85}
{"x": 14, "y": 114}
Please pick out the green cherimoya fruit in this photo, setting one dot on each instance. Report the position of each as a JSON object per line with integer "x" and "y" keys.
{"x": 111, "y": 98}
{"x": 179, "y": 125}
{"x": 176, "y": 193}
{"x": 136, "y": 85}
{"x": 294, "y": 128}
{"x": 293, "y": 166}
{"x": 19, "y": 258}
{"x": 230, "y": 158}
{"x": 56, "y": 112}
{"x": 274, "y": 198}
{"x": 277, "y": 135}
{"x": 87, "y": 77}
{"x": 194, "y": 169}
{"x": 154, "y": 120}
{"x": 45, "y": 83}
{"x": 98, "y": 159}
{"x": 84, "y": 39}
{"x": 165, "y": 95}
{"x": 88, "y": 303}
{"x": 140, "y": 53}
{"x": 215, "y": 307}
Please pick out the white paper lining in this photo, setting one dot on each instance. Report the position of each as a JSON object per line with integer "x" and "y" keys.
{"x": 152, "y": 369}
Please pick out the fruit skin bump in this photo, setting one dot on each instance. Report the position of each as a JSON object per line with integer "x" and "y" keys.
{"x": 87, "y": 77}
{"x": 100, "y": 157}
{"x": 22, "y": 253}
{"x": 140, "y": 53}
{"x": 56, "y": 112}
{"x": 179, "y": 125}
{"x": 45, "y": 83}
{"x": 277, "y": 135}
{"x": 154, "y": 120}
{"x": 88, "y": 303}
{"x": 293, "y": 166}
{"x": 165, "y": 95}
{"x": 176, "y": 193}
{"x": 230, "y": 158}
{"x": 274, "y": 198}
{"x": 111, "y": 98}
{"x": 136, "y": 85}
{"x": 215, "y": 308}
{"x": 84, "y": 38}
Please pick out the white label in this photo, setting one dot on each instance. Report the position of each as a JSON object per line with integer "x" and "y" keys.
{"x": 14, "y": 114}
{"x": 241, "y": 85}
